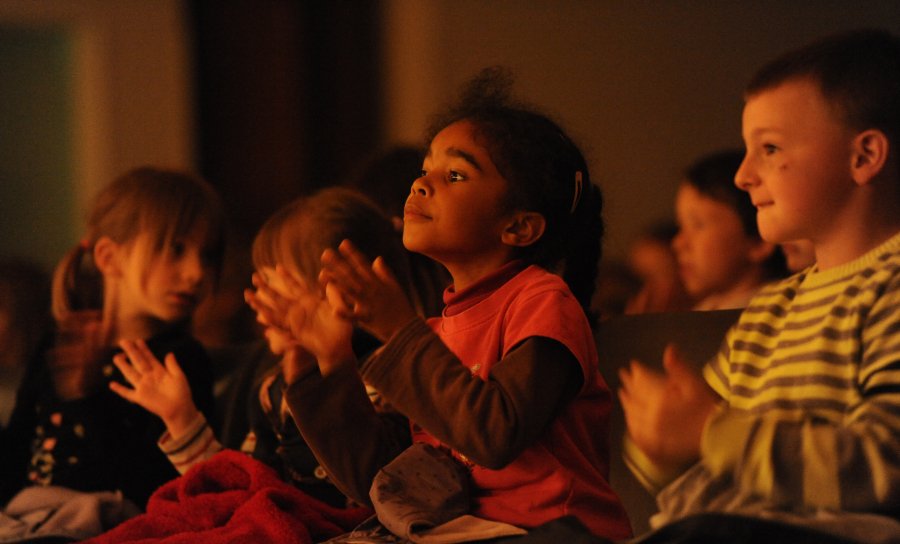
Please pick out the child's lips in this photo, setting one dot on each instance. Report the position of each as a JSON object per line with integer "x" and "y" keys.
{"x": 185, "y": 299}
{"x": 411, "y": 211}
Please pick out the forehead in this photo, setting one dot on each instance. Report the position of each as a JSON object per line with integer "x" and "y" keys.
{"x": 198, "y": 233}
{"x": 796, "y": 105}
{"x": 459, "y": 139}
{"x": 690, "y": 199}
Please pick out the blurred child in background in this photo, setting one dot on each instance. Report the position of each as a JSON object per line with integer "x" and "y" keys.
{"x": 721, "y": 257}
{"x": 150, "y": 254}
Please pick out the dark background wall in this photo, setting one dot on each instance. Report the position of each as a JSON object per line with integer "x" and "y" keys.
{"x": 274, "y": 98}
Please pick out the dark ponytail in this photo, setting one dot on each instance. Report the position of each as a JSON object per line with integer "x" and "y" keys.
{"x": 583, "y": 251}
{"x": 77, "y": 283}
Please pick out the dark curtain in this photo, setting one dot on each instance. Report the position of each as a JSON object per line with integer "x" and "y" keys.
{"x": 288, "y": 96}
{"x": 287, "y": 100}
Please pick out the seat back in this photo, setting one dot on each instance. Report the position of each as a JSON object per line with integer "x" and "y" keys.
{"x": 644, "y": 337}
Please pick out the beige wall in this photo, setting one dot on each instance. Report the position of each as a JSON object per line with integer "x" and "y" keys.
{"x": 131, "y": 84}
{"x": 645, "y": 86}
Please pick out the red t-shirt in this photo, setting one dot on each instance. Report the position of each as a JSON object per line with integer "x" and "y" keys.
{"x": 566, "y": 471}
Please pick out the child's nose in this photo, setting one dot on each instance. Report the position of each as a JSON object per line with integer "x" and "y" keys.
{"x": 744, "y": 177}
{"x": 192, "y": 268}
{"x": 421, "y": 186}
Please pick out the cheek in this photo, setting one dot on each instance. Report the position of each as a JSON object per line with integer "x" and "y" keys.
{"x": 717, "y": 247}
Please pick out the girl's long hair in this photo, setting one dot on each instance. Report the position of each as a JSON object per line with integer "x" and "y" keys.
{"x": 162, "y": 204}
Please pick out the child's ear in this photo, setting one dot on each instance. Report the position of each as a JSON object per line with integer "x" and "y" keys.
{"x": 106, "y": 256}
{"x": 524, "y": 229}
{"x": 870, "y": 153}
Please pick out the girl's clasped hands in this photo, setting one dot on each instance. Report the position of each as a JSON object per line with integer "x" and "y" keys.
{"x": 319, "y": 319}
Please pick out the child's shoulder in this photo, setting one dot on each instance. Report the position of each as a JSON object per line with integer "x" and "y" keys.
{"x": 535, "y": 278}
{"x": 538, "y": 291}
{"x": 535, "y": 282}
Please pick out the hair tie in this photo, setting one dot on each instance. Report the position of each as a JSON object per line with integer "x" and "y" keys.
{"x": 578, "y": 187}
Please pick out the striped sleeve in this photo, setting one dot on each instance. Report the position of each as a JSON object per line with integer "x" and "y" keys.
{"x": 198, "y": 444}
{"x": 813, "y": 386}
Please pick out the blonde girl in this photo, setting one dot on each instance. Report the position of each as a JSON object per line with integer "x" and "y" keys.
{"x": 151, "y": 253}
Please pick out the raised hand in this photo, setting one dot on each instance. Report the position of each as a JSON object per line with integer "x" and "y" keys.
{"x": 666, "y": 412}
{"x": 304, "y": 319}
{"x": 160, "y": 389}
{"x": 82, "y": 346}
{"x": 271, "y": 301}
{"x": 365, "y": 292}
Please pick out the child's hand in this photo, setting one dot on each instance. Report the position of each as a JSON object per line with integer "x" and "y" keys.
{"x": 161, "y": 390}
{"x": 317, "y": 326}
{"x": 302, "y": 319}
{"x": 76, "y": 360}
{"x": 271, "y": 302}
{"x": 366, "y": 293}
{"x": 666, "y": 413}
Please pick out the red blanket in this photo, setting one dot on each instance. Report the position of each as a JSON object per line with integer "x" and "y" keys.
{"x": 233, "y": 498}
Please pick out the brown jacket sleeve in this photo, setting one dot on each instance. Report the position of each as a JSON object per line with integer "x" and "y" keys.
{"x": 350, "y": 436}
{"x": 490, "y": 422}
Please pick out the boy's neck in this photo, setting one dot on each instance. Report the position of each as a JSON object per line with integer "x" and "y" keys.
{"x": 849, "y": 248}
{"x": 863, "y": 227}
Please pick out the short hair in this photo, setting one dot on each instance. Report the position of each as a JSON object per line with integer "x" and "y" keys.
{"x": 858, "y": 73}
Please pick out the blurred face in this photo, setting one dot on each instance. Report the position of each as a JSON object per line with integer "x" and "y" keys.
{"x": 711, "y": 246}
{"x": 165, "y": 287}
{"x": 797, "y": 169}
{"x": 653, "y": 259}
{"x": 454, "y": 213}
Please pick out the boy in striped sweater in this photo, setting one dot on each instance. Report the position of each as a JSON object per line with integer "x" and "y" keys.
{"x": 795, "y": 433}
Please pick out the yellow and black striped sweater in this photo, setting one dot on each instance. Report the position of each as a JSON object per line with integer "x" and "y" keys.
{"x": 810, "y": 377}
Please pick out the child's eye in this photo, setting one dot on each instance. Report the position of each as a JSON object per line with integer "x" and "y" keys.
{"x": 453, "y": 176}
{"x": 423, "y": 173}
{"x": 770, "y": 148}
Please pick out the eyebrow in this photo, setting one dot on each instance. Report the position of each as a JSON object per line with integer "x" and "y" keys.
{"x": 763, "y": 130}
{"x": 459, "y": 153}
{"x": 464, "y": 155}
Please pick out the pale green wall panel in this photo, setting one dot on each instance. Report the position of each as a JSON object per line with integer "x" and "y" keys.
{"x": 37, "y": 205}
